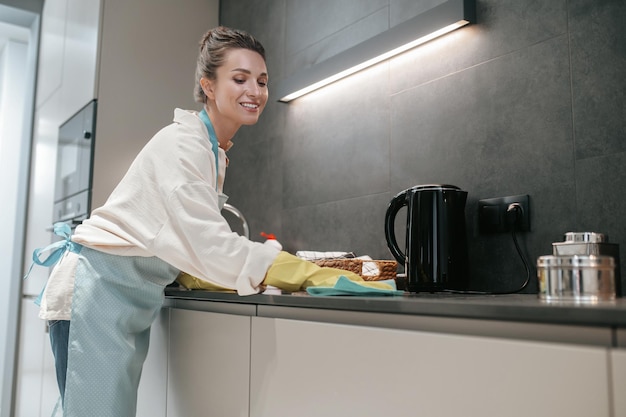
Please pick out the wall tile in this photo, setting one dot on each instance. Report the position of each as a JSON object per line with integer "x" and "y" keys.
{"x": 254, "y": 179}
{"x": 309, "y": 22}
{"x": 352, "y": 225}
{"x": 402, "y": 10}
{"x": 339, "y": 41}
{"x": 254, "y": 176}
{"x": 337, "y": 146}
{"x": 496, "y": 129}
{"x": 266, "y": 22}
{"x": 600, "y": 199}
{"x": 598, "y": 48}
{"x": 503, "y": 26}
{"x": 502, "y": 122}
{"x": 515, "y": 104}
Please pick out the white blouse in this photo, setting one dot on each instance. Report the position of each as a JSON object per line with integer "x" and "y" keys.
{"x": 167, "y": 206}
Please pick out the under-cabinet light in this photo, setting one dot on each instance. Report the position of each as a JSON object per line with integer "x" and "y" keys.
{"x": 435, "y": 22}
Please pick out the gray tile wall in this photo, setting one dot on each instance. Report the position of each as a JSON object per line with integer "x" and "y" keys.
{"x": 530, "y": 100}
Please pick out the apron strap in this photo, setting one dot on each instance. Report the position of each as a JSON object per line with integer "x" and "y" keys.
{"x": 56, "y": 249}
{"x": 213, "y": 139}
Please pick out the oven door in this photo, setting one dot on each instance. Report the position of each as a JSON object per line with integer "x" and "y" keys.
{"x": 72, "y": 210}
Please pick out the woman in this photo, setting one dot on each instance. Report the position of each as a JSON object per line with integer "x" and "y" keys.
{"x": 163, "y": 217}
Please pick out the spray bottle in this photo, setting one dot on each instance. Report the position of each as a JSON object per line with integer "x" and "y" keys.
{"x": 271, "y": 240}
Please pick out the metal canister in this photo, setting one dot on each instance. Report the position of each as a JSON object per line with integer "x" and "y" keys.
{"x": 591, "y": 243}
{"x": 581, "y": 243}
{"x": 577, "y": 278}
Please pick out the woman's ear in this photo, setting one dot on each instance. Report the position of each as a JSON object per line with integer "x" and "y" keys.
{"x": 207, "y": 87}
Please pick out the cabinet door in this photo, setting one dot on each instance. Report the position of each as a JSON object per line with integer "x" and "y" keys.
{"x": 50, "y": 71}
{"x": 152, "y": 394}
{"x": 318, "y": 369}
{"x": 618, "y": 372}
{"x": 80, "y": 55}
{"x": 49, "y": 386}
{"x": 32, "y": 344}
{"x": 209, "y": 362}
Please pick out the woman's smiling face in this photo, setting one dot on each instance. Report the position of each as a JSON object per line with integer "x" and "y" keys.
{"x": 239, "y": 93}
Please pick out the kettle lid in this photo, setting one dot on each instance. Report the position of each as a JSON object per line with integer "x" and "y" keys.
{"x": 438, "y": 187}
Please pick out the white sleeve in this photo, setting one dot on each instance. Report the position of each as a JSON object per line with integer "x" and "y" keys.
{"x": 197, "y": 239}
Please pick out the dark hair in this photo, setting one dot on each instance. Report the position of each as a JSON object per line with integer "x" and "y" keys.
{"x": 213, "y": 48}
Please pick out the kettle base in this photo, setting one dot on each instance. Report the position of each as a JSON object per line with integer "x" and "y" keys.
{"x": 424, "y": 288}
{"x": 429, "y": 287}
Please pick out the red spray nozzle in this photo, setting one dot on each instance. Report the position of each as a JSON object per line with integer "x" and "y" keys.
{"x": 269, "y": 236}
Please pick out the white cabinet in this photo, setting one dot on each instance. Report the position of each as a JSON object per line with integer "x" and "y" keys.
{"x": 226, "y": 361}
{"x": 618, "y": 374}
{"x": 52, "y": 43}
{"x": 320, "y": 369}
{"x": 152, "y": 394}
{"x": 49, "y": 386}
{"x": 36, "y": 388}
{"x": 209, "y": 364}
{"x": 79, "y": 55}
{"x": 68, "y": 53}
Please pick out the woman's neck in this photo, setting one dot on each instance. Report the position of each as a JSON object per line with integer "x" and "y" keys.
{"x": 224, "y": 129}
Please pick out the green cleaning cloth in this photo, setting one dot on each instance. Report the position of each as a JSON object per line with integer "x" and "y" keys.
{"x": 344, "y": 286}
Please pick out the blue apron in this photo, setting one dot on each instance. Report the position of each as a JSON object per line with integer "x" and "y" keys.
{"x": 115, "y": 301}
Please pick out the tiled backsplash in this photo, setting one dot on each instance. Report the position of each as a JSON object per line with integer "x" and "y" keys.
{"x": 530, "y": 100}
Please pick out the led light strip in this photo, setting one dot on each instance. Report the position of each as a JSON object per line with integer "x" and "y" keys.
{"x": 460, "y": 12}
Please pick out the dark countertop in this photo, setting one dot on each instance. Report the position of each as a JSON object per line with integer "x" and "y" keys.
{"x": 515, "y": 307}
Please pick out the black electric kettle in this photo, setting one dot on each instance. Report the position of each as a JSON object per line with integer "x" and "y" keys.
{"x": 435, "y": 258}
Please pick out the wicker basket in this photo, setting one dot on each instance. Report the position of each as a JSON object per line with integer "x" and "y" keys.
{"x": 386, "y": 269}
{"x": 348, "y": 264}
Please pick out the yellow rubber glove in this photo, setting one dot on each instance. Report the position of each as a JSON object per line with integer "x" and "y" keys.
{"x": 290, "y": 273}
{"x": 193, "y": 283}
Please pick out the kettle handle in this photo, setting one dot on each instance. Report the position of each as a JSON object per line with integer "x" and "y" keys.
{"x": 395, "y": 205}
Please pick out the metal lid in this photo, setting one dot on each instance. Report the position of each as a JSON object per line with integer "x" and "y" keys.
{"x": 575, "y": 261}
{"x": 585, "y": 237}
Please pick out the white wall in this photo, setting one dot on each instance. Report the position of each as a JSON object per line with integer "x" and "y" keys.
{"x": 18, "y": 57}
{"x": 16, "y": 101}
{"x": 144, "y": 73}
{"x": 12, "y": 80}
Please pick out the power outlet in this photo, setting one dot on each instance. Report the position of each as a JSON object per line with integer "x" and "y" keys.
{"x": 497, "y": 215}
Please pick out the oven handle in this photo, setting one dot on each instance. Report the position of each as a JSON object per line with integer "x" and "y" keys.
{"x": 67, "y": 219}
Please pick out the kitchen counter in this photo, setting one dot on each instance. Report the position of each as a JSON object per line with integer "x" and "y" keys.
{"x": 515, "y": 307}
{"x": 515, "y": 316}
{"x": 406, "y": 348}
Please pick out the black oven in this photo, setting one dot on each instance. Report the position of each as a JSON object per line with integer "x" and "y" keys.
{"x": 72, "y": 191}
